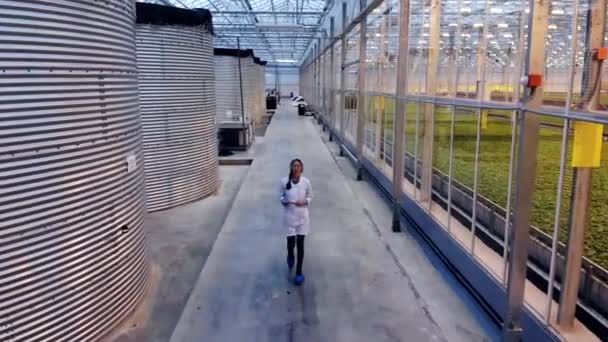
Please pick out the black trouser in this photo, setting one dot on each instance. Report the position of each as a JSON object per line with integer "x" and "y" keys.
{"x": 292, "y": 241}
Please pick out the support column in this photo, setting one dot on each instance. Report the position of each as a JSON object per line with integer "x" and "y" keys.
{"x": 332, "y": 89}
{"x": 381, "y": 110}
{"x": 429, "y": 111}
{"x": 526, "y": 173}
{"x": 482, "y": 91}
{"x": 361, "y": 96}
{"x": 318, "y": 84}
{"x": 342, "y": 79}
{"x": 399, "y": 122}
{"x": 314, "y": 95}
{"x": 582, "y": 182}
{"x": 323, "y": 90}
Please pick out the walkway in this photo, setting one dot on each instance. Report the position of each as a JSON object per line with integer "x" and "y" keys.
{"x": 359, "y": 286}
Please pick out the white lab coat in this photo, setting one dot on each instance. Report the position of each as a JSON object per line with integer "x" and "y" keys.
{"x": 296, "y": 219}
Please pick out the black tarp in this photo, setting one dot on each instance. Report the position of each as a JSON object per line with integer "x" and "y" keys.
{"x": 236, "y": 53}
{"x": 233, "y": 52}
{"x": 169, "y": 15}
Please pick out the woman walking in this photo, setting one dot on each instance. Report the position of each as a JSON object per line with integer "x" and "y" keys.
{"x": 296, "y": 194}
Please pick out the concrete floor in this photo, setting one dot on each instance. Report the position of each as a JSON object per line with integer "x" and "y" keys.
{"x": 364, "y": 283}
{"x": 180, "y": 240}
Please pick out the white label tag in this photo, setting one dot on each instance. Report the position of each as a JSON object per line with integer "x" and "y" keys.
{"x": 131, "y": 163}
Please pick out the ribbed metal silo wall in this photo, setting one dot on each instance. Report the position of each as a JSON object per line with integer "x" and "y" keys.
{"x": 176, "y": 85}
{"x": 227, "y": 91}
{"x": 73, "y": 256}
{"x": 227, "y": 87}
{"x": 260, "y": 91}
{"x": 248, "y": 70}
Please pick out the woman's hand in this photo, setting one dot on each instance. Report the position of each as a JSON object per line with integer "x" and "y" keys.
{"x": 300, "y": 203}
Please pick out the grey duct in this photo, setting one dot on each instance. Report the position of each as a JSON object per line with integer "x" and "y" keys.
{"x": 73, "y": 256}
{"x": 176, "y": 86}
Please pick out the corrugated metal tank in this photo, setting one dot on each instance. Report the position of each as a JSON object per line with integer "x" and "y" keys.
{"x": 73, "y": 256}
{"x": 176, "y": 85}
{"x": 260, "y": 89}
{"x": 227, "y": 85}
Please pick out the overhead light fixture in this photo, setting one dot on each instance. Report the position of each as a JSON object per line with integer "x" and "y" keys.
{"x": 285, "y": 60}
{"x": 552, "y": 27}
{"x": 557, "y": 11}
{"x": 465, "y": 10}
{"x": 478, "y": 25}
{"x": 503, "y": 25}
{"x": 496, "y": 10}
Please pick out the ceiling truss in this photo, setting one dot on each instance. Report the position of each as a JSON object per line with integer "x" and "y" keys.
{"x": 279, "y": 31}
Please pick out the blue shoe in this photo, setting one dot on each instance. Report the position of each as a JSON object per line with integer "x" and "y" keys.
{"x": 299, "y": 280}
{"x": 290, "y": 262}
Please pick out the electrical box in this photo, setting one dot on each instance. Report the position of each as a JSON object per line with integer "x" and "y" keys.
{"x": 535, "y": 81}
{"x": 602, "y": 54}
{"x": 131, "y": 163}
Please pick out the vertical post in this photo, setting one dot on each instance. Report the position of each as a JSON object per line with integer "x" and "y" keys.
{"x": 399, "y": 122}
{"x": 342, "y": 79}
{"x": 526, "y": 172}
{"x": 313, "y": 95}
{"x": 581, "y": 192}
{"x": 361, "y": 98}
{"x": 332, "y": 86}
{"x": 324, "y": 86}
{"x": 380, "y": 112}
{"x": 318, "y": 85}
{"x": 429, "y": 112}
{"x": 332, "y": 76}
{"x": 277, "y": 83}
{"x": 238, "y": 46}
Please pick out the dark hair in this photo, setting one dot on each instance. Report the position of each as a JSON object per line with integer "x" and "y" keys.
{"x": 288, "y": 185}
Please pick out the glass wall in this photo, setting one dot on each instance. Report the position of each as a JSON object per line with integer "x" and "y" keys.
{"x": 467, "y": 104}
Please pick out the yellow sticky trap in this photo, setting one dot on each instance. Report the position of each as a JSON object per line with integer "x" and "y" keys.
{"x": 587, "y": 150}
{"x": 484, "y": 119}
{"x": 382, "y": 102}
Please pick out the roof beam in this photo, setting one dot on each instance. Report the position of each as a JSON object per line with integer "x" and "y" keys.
{"x": 313, "y": 13}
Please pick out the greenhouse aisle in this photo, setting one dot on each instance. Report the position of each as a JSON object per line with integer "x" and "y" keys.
{"x": 359, "y": 287}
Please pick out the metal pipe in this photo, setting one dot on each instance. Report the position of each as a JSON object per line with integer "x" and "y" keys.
{"x": 238, "y": 44}
{"x": 582, "y": 180}
{"x": 562, "y": 164}
{"x": 509, "y": 189}
{"x": 454, "y": 91}
{"x": 475, "y": 182}
{"x": 416, "y": 150}
{"x": 480, "y": 113}
{"x": 526, "y": 173}
{"x": 360, "y": 129}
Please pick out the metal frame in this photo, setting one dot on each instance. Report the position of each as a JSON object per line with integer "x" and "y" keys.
{"x": 525, "y": 128}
